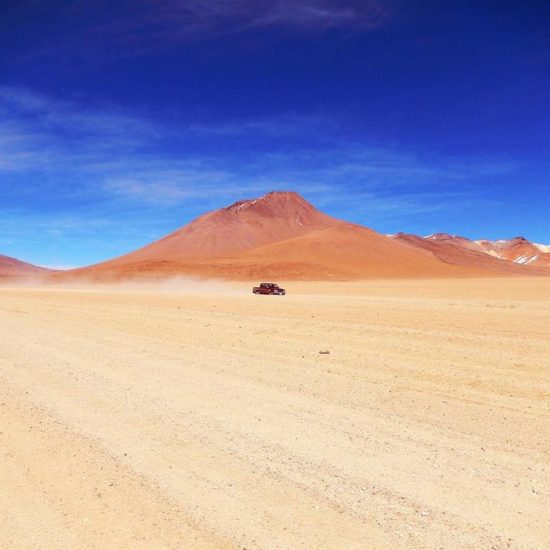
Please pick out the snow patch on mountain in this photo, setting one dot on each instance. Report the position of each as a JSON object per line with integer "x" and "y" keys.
{"x": 525, "y": 260}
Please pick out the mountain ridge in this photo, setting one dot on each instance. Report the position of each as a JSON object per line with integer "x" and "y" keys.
{"x": 14, "y": 268}
{"x": 518, "y": 250}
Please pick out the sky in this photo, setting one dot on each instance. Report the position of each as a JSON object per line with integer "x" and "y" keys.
{"x": 121, "y": 121}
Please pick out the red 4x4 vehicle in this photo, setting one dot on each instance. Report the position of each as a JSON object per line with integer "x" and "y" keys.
{"x": 269, "y": 288}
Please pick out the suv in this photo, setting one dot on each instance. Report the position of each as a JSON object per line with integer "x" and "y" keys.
{"x": 269, "y": 288}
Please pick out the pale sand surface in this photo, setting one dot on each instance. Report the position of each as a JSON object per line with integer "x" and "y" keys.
{"x": 205, "y": 417}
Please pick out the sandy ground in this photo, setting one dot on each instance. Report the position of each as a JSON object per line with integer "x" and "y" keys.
{"x": 205, "y": 417}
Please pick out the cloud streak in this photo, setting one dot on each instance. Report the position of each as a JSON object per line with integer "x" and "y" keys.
{"x": 180, "y": 19}
{"x": 139, "y": 27}
{"x": 296, "y": 14}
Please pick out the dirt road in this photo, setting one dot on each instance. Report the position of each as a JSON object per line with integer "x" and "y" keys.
{"x": 199, "y": 418}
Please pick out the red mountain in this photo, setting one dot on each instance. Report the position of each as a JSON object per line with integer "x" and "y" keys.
{"x": 242, "y": 226}
{"x": 518, "y": 250}
{"x": 460, "y": 251}
{"x": 462, "y": 242}
{"x": 281, "y": 235}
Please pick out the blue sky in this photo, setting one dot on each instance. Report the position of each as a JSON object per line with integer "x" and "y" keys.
{"x": 120, "y": 121}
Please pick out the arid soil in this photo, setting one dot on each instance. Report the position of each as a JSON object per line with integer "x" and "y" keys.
{"x": 201, "y": 416}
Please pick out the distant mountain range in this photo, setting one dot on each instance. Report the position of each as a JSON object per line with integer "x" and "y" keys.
{"x": 518, "y": 250}
{"x": 282, "y": 236}
{"x": 512, "y": 256}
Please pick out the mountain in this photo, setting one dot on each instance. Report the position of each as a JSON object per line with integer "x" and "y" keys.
{"x": 461, "y": 252}
{"x": 282, "y": 236}
{"x": 10, "y": 268}
{"x": 517, "y": 250}
{"x": 242, "y": 226}
{"x": 462, "y": 242}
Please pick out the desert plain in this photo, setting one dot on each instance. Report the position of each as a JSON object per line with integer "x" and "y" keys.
{"x": 197, "y": 415}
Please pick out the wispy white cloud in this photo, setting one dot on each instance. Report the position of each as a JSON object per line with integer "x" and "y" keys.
{"x": 138, "y": 27}
{"x": 298, "y": 14}
{"x": 173, "y": 186}
{"x": 29, "y": 116}
{"x": 99, "y": 171}
{"x": 178, "y": 19}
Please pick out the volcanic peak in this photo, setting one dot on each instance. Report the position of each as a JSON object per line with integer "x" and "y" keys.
{"x": 519, "y": 240}
{"x": 273, "y": 204}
